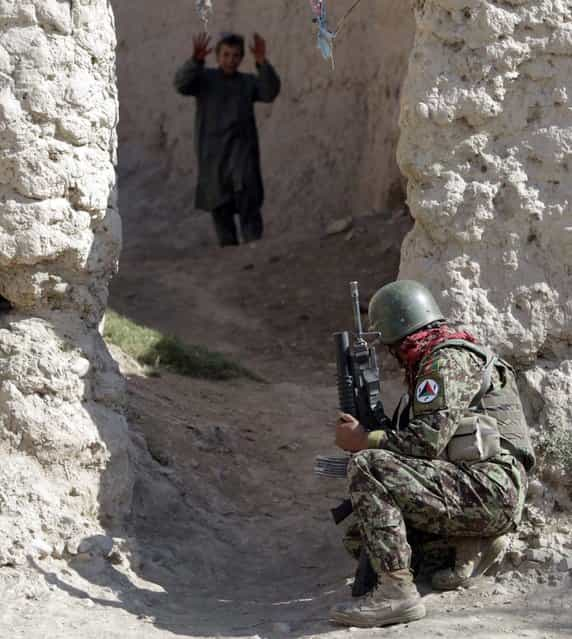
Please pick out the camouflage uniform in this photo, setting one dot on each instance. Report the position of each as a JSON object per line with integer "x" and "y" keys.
{"x": 403, "y": 479}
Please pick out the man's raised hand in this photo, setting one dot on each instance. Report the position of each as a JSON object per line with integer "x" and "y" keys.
{"x": 258, "y": 49}
{"x": 201, "y": 47}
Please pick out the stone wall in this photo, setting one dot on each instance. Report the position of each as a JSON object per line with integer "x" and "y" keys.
{"x": 328, "y": 142}
{"x": 63, "y": 438}
{"x": 487, "y": 148}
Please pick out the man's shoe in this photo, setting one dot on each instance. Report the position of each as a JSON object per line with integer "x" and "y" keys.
{"x": 395, "y": 600}
{"x": 474, "y": 557}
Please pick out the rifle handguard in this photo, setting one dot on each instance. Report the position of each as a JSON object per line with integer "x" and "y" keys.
{"x": 345, "y": 381}
{"x": 346, "y": 394}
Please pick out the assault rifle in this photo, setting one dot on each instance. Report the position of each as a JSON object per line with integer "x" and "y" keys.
{"x": 359, "y": 391}
{"x": 359, "y": 394}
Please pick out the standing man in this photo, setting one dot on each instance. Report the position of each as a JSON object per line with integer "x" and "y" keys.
{"x": 226, "y": 138}
{"x": 455, "y": 465}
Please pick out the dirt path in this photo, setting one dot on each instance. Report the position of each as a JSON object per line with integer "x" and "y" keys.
{"x": 275, "y": 304}
{"x": 230, "y": 534}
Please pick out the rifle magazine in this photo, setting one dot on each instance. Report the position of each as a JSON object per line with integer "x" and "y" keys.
{"x": 335, "y": 467}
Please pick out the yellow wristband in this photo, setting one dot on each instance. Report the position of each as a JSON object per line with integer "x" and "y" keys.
{"x": 376, "y": 438}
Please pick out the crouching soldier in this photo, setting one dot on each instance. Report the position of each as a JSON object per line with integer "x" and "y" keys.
{"x": 455, "y": 466}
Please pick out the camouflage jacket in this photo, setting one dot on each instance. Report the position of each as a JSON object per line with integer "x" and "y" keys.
{"x": 448, "y": 380}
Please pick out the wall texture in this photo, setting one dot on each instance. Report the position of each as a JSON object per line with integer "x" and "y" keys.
{"x": 63, "y": 439}
{"x": 487, "y": 148}
{"x": 328, "y": 142}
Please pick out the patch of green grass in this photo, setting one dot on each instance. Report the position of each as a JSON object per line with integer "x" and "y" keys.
{"x": 151, "y": 348}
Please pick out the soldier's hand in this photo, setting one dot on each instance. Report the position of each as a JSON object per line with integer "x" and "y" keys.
{"x": 201, "y": 47}
{"x": 258, "y": 49}
{"x": 350, "y": 434}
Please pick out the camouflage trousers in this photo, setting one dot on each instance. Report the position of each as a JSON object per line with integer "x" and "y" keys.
{"x": 391, "y": 492}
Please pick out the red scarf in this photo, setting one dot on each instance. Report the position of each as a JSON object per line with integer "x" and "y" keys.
{"x": 415, "y": 347}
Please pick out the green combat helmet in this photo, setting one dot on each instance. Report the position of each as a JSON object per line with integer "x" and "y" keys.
{"x": 400, "y": 308}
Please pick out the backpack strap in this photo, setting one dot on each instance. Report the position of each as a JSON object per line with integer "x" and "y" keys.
{"x": 487, "y": 372}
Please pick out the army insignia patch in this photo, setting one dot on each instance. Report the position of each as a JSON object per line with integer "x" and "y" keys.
{"x": 426, "y": 391}
{"x": 429, "y": 395}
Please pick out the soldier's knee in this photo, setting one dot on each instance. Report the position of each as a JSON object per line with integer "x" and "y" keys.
{"x": 366, "y": 461}
{"x": 359, "y": 462}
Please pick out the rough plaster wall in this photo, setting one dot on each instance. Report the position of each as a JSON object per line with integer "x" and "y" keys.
{"x": 328, "y": 143}
{"x": 63, "y": 440}
{"x": 487, "y": 148}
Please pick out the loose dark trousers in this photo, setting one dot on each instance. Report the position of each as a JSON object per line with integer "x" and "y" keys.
{"x": 251, "y": 224}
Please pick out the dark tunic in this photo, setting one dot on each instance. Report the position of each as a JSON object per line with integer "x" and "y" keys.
{"x": 226, "y": 139}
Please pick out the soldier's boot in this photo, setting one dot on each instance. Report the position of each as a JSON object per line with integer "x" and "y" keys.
{"x": 474, "y": 557}
{"x": 395, "y": 600}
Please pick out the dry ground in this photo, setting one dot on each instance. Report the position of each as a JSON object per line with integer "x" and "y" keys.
{"x": 230, "y": 535}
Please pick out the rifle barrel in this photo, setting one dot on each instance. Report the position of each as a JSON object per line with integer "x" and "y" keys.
{"x": 357, "y": 314}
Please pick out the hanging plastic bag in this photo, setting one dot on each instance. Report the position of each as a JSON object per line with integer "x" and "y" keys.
{"x": 325, "y": 37}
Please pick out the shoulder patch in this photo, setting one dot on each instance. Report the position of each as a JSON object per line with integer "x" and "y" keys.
{"x": 429, "y": 393}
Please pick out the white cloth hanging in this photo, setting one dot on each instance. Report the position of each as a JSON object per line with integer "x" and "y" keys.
{"x": 205, "y": 10}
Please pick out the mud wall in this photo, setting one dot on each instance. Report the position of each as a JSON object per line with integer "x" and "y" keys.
{"x": 63, "y": 439}
{"x": 328, "y": 142}
{"x": 487, "y": 148}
